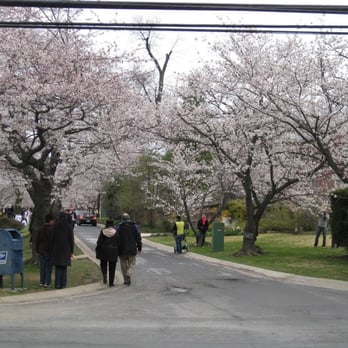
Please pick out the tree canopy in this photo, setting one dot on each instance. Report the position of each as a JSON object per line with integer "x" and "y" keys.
{"x": 264, "y": 120}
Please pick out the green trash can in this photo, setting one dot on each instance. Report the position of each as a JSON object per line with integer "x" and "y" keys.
{"x": 217, "y": 237}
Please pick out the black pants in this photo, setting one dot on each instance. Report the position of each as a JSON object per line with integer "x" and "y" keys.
{"x": 112, "y": 270}
{"x": 201, "y": 239}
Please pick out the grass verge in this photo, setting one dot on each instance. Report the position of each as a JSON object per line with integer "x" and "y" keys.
{"x": 283, "y": 252}
{"x": 82, "y": 271}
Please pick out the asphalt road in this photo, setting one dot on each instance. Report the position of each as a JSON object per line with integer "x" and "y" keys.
{"x": 179, "y": 301}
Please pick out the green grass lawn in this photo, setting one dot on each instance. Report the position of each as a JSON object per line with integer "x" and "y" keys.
{"x": 283, "y": 252}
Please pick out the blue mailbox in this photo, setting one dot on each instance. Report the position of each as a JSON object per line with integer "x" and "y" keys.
{"x": 11, "y": 254}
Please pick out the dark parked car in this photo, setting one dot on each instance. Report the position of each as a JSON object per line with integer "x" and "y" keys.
{"x": 84, "y": 217}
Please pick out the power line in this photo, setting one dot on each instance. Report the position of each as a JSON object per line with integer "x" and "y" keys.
{"x": 251, "y": 28}
{"x": 176, "y": 6}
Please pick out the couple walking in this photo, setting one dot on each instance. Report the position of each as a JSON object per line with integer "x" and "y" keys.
{"x": 122, "y": 242}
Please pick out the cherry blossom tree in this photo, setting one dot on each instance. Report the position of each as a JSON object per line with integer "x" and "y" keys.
{"x": 149, "y": 70}
{"x": 220, "y": 111}
{"x": 309, "y": 94}
{"x": 61, "y": 104}
{"x": 180, "y": 174}
{"x": 10, "y": 183}
{"x": 189, "y": 181}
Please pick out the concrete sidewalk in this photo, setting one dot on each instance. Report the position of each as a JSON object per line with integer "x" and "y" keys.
{"x": 90, "y": 289}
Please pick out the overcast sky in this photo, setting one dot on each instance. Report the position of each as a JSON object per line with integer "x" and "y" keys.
{"x": 190, "y": 46}
{"x": 235, "y": 17}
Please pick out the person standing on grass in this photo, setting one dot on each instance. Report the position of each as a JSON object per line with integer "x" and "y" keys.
{"x": 43, "y": 242}
{"x": 62, "y": 249}
{"x": 107, "y": 251}
{"x": 179, "y": 233}
{"x": 202, "y": 226}
{"x": 322, "y": 228}
{"x": 129, "y": 244}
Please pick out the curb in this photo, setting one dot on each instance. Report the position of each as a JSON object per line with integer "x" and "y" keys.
{"x": 50, "y": 295}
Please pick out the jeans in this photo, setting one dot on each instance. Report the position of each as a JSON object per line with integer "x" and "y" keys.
{"x": 61, "y": 277}
{"x": 319, "y": 231}
{"x": 45, "y": 270}
{"x": 178, "y": 239}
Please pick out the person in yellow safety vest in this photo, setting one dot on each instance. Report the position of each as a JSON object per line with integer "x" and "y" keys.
{"x": 179, "y": 233}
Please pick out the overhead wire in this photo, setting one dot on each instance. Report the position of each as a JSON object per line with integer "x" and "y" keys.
{"x": 224, "y": 28}
{"x": 181, "y": 6}
{"x": 177, "y": 6}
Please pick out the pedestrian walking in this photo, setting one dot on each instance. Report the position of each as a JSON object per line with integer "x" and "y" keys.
{"x": 179, "y": 233}
{"x": 129, "y": 244}
{"x": 43, "y": 247}
{"x": 62, "y": 249}
{"x": 107, "y": 251}
{"x": 202, "y": 226}
{"x": 322, "y": 227}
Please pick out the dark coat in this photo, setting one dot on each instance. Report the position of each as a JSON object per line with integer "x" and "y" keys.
{"x": 129, "y": 238}
{"x": 43, "y": 240}
{"x": 106, "y": 248}
{"x": 62, "y": 246}
{"x": 203, "y": 227}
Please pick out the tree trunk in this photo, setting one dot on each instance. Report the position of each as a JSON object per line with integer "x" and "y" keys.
{"x": 40, "y": 193}
{"x": 253, "y": 219}
{"x": 249, "y": 238}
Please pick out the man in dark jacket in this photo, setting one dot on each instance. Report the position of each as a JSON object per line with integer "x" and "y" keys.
{"x": 129, "y": 243}
{"x": 106, "y": 251}
{"x": 62, "y": 249}
{"x": 43, "y": 246}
